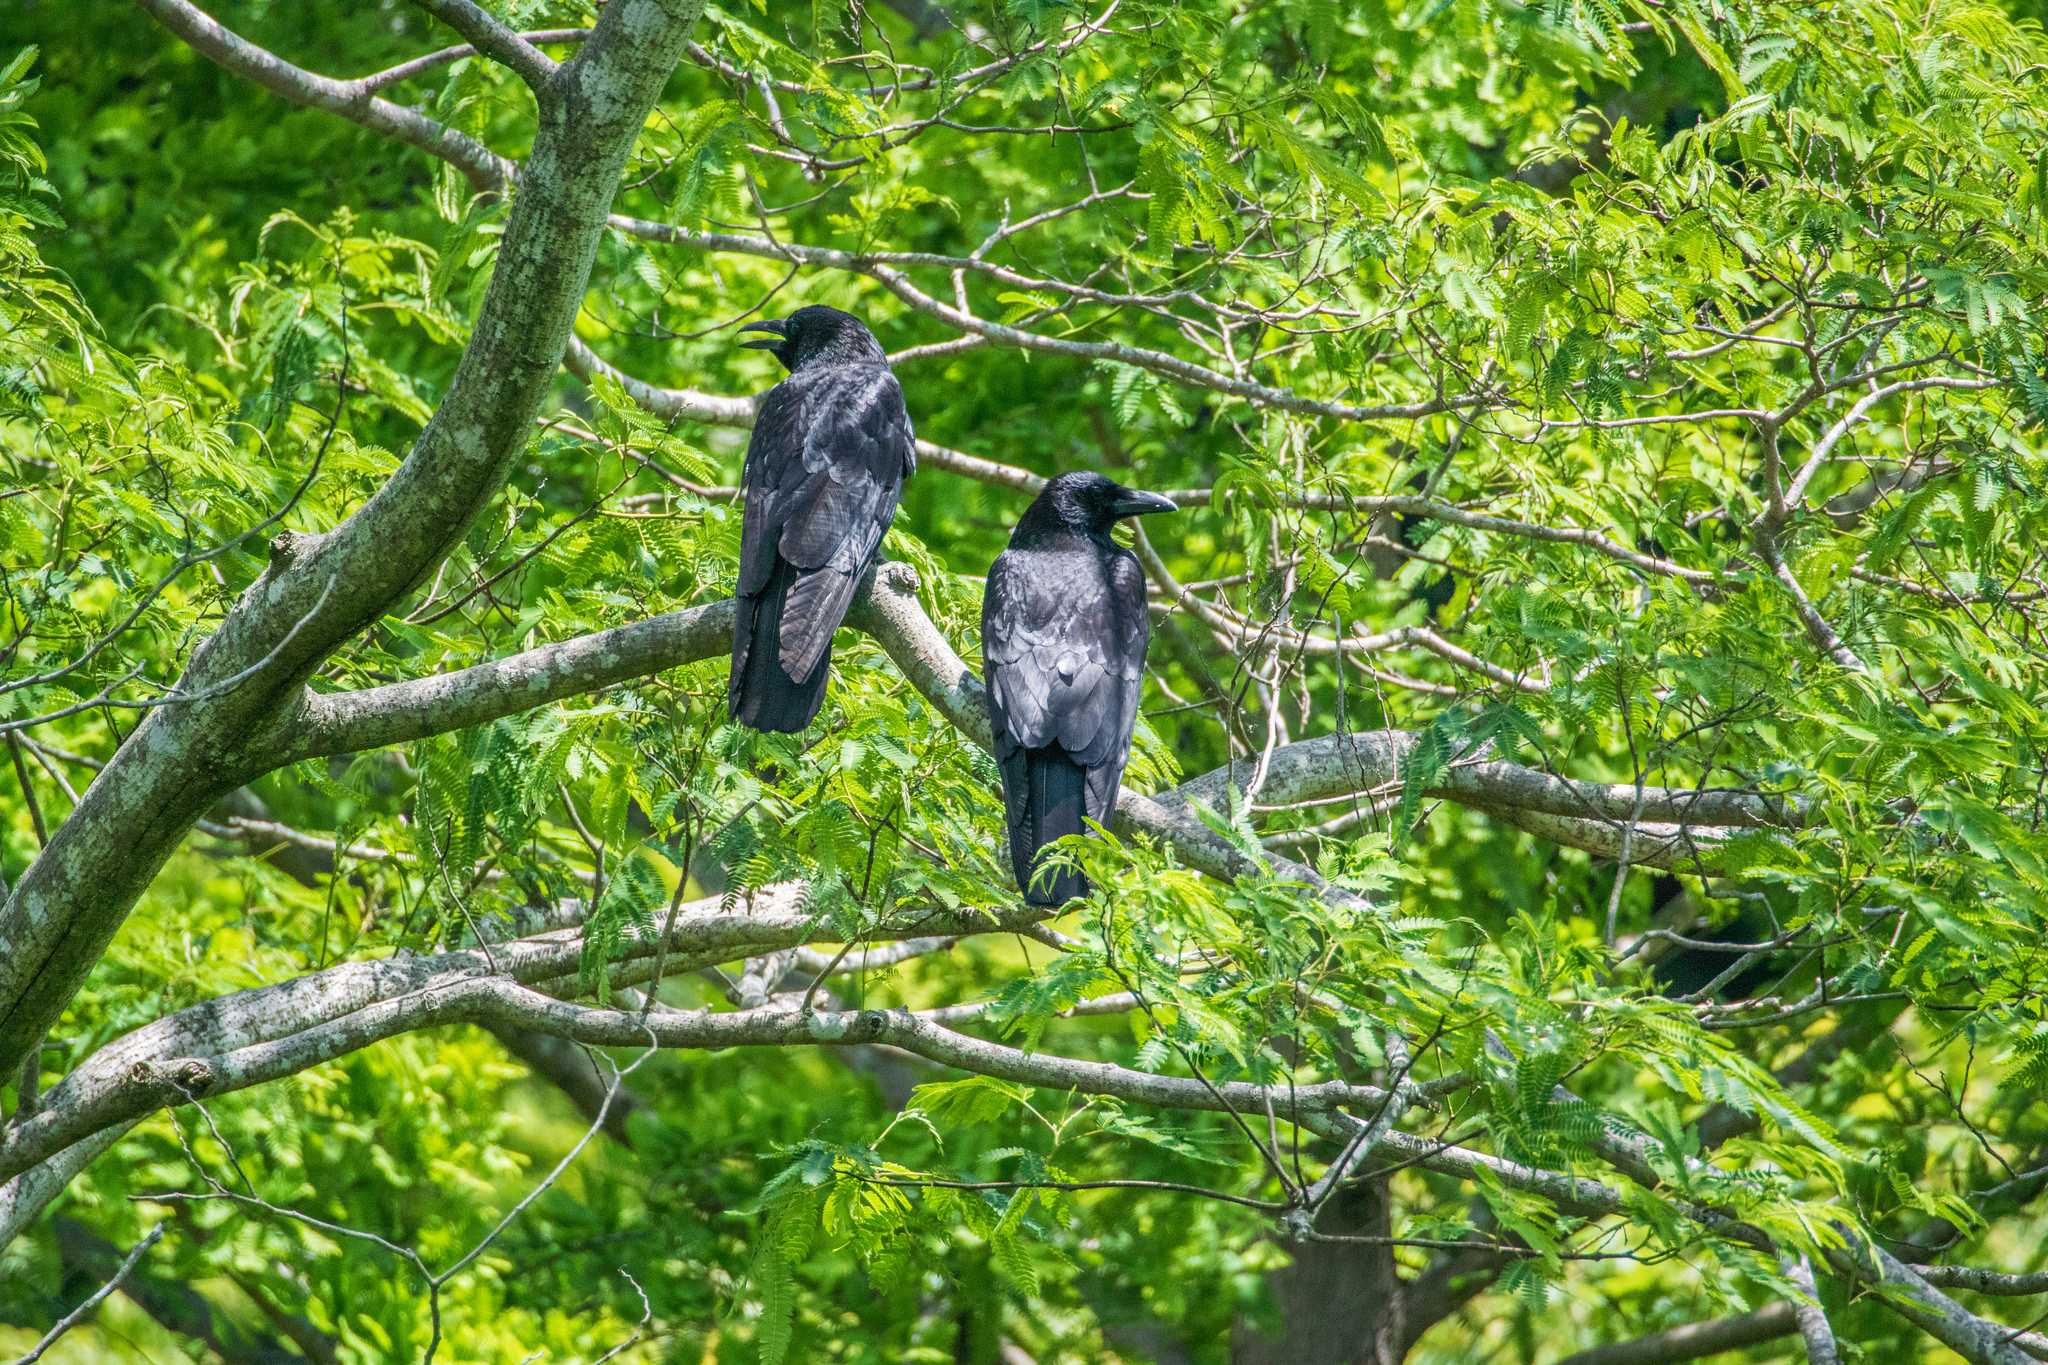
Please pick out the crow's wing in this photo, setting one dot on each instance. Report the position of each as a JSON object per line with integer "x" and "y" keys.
{"x": 824, "y": 468}
{"x": 1063, "y": 635}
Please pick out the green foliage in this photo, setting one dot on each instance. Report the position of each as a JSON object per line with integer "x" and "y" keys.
{"x": 1623, "y": 225}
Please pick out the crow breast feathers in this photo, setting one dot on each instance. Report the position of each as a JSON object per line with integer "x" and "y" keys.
{"x": 830, "y": 450}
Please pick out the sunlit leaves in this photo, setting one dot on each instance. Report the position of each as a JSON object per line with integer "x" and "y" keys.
{"x": 1604, "y": 220}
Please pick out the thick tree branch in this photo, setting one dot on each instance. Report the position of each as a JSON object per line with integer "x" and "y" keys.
{"x": 349, "y": 722}
{"x": 1978, "y": 1281}
{"x": 24, "y": 1197}
{"x": 1682, "y": 823}
{"x": 269, "y": 1032}
{"x": 1814, "y": 1328}
{"x": 1695, "y": 1340}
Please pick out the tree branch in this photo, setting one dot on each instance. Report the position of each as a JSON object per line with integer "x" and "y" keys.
{"x": 717, "y": 410}
{"x": 1813, "y": 1323}
{"x": 181, "y": 1309}
{"x": 1159, "y": 362}
{"x": 84, "y": 1310}
{"x": 406, "y": 70}
{"x": 353, "y": 100}
{"x": 349, "y": 722}
{"x": 262, "y": 1034}
{"x": 501, "y": 44}
{"x": 1985, "y": 1281}
{"x": 24, "y": 1197}
{"x": 268, "y": 1032}
{"x": 1583, "y": 815}
{"x": 1342, "y": 764}
{"x": 1695, "y": 1339}
{"x": 569, "y": 1069}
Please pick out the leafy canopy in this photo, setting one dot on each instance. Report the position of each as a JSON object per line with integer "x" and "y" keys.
{"x": 1643, "y": 393}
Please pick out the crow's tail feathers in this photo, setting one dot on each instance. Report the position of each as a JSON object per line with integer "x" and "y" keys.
{"x": 1055, "y": 804}
{"x": 761, "y": 695}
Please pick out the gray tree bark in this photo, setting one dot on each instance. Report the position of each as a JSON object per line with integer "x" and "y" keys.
{"x": 1339, "y": 1303}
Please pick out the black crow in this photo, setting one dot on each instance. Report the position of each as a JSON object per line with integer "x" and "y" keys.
{"x": 830, "y": 451}
{"x": 1063, "y": 633}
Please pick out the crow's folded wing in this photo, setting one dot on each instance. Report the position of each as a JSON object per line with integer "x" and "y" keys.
{"x": 824, "y": 469}
{"x": 1063, "y": 637}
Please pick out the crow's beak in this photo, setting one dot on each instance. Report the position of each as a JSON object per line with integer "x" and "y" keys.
{"x": 1134, "y": 504}
{"x": 779, "y": 330}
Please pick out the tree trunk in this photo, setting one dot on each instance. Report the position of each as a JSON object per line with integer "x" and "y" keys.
{"x": 1338, "y": 1303}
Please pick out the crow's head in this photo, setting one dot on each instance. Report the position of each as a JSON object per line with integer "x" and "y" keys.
{"x": 816, "y": 336}
{"x": 1089, "y": 503}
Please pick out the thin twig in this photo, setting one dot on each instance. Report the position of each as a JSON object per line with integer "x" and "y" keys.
{"x": 72, "y": 1319}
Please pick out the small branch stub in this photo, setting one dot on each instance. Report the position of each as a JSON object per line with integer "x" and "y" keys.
{"x": 287, "y": 548}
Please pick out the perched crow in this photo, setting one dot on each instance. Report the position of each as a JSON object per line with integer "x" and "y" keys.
{"x": 1063, "y": 632}
{"x": 830, "y": 451}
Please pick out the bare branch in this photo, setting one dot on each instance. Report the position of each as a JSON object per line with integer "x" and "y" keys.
{"x": 347, "y": 722}
{"x": 899, "y": 284}
{"x": 1985, "y": 1281}
{"x": 501, "y": 44}
{"x": 1824, "y": 635}
{"x": 1795, "y": 492}
{"x": 1695, "y": 1340}
{"x": 353, "y": 100}
{"x": 716, "y": 410}
{"x": 1369, "y": 761}
{"x": 406, "y": 70}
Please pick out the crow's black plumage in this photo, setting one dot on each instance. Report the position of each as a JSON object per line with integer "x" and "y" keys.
{"x": 831, "y": 448}
{"x": 1063, "y": 632}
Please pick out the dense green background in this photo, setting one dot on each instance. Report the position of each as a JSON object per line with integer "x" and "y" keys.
{"x": 1563, "y": 208}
